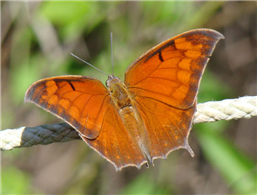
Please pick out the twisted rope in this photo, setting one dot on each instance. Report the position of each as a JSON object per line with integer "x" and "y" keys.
{"x": 244, "y": 107}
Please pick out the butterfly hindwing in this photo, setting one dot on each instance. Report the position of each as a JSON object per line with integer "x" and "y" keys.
{"x": 167, "y": 127}
{"x": 115, "y": 143}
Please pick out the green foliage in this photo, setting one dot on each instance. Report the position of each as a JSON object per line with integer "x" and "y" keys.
{"x": 237, "y": 169}
{"x": 11, "y": 175}
{"x": 212, "y": 89}
{"x": 72, "y": 18}
{"x": 144, "y": 185}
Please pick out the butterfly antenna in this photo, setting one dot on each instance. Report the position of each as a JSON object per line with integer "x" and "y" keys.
{"x": 88, "y": 64}
{"x": 112, "y": 54}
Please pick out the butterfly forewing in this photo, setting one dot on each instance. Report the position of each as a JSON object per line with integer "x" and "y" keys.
{"x": 80, "y": 101}
{"x": 171, "y": 71}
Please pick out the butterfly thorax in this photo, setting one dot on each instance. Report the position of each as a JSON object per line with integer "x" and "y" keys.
{"x": 118, "y": 92}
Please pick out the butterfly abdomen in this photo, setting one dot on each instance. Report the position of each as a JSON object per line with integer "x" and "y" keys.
{"x": 130, "y": 117}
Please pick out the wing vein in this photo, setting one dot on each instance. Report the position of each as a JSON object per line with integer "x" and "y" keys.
{"x": 149, "y": 74}
{"x": 151, "y": 91}
{"x": 175, "y": 125}
{"x": 100, "y": 108}
{"x": 163, "y": 78}
{"x": 164, "y": 129}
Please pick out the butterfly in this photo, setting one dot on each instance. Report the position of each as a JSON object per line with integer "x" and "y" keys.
{"x": 144, "y": 118}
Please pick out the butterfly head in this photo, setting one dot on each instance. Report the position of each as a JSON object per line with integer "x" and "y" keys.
{"x": 112, "y": 80}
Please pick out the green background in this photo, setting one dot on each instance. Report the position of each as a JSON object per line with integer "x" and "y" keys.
{"x": 37, "y": 38}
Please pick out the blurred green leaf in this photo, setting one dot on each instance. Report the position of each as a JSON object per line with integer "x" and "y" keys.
{"x": 19, "y": 64}
{"x": 202, "y": 15}
{"x": 20, "y": 81}
{"x": 238, "y": 170}
{"x": 11, "y": 175}
{"x": 72, "y": 17}
{"x": 164, "y": 13}
{"x": 212, "y": 88}
{"x": 143, "y": 185}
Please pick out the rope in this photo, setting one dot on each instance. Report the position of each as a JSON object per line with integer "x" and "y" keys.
{"x": 29, "y": 136}
{"x": 244, "y": 107}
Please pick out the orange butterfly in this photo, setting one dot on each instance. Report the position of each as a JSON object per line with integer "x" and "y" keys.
{"x": 144, "y": 118}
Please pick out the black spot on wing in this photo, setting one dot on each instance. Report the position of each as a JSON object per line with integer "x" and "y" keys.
{"x": 72, "y": 86}
{"x": 170, "y": 43}
{"x": 160, "y": 56}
